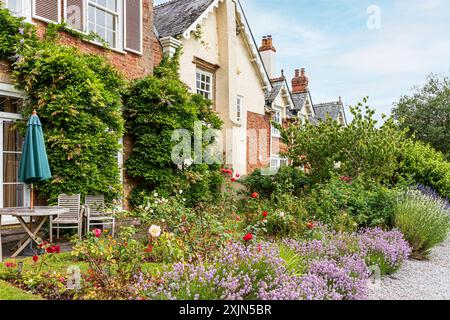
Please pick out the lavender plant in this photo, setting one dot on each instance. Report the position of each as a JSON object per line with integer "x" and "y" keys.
{"x": 385, "y": 249}
{"x": 424, "y": 219}
{"x": 333, "y": 267}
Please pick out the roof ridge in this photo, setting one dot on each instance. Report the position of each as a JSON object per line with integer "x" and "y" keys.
{"x": 165, "y": 3}
{"x": 327, "y": 103}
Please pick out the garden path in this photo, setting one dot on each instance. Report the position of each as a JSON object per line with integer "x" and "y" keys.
{"x": 418, "y": 280}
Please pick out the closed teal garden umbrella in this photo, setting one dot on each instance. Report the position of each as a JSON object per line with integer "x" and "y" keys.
{"x": 34, "y": 165}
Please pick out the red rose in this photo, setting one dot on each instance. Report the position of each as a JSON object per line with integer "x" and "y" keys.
{"x": 238, "y": 218}
{"x": 35, "y": 258}
{"x": 233, "y": 180}
{"x": 265, "y": 214}
{"x": 43, "y": 244}
{"x": 149, "y": 249}
{"x": 56, "y": 249}
{"x": 49, "y": 249}
{"x": 310, "y": 225}
{"x": 248, "y": 237}
{"x": 238, "y": 175}
{"x": 255, "y": 195}
{"x": 97, "y": 233}
{"x": 10, "y": 264}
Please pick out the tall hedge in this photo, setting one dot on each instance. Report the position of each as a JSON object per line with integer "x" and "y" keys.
{"x": 154, "y": 107}
{"x": 78, "y": 99}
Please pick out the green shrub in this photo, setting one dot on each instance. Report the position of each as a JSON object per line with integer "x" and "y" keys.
{"x": 428, "y": 167}
{"x": 352, "y": 203}
{"x": 364, "y": 149}
{"x": 287, "y": 179}
{"x": 425, "y": 221}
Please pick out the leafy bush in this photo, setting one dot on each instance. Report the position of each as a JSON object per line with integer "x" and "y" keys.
{"x": 187, "y": 233}
{"x": 428, "y": 167}
{"x": 341, "y": 202}
{"x": 113, "y": 263}
{"x": 287, "y": 179}
{"x": 155, "y": 107}
{"x": 424, "y": 220}
{"x": 363, "y": 149}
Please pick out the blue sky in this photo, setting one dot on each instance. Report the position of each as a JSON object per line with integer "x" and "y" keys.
{"x": 343, "y": 57}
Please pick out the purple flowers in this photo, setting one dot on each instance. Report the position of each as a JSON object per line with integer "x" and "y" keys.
{"x": 332, "y": 268}
{"x": 386, "y": 249}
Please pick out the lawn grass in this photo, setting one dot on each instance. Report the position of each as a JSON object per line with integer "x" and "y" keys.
{"x": 9, "y": 292}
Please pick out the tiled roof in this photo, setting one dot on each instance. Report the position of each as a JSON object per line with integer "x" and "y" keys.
{"x": 333, "y": 109}
{"x": 299, "y": 100}
{"x": 277, "y": 85}
{"x": 174, "y": 17}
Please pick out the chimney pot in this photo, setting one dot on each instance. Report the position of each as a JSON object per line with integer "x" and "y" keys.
{"x": 300, "y": 81}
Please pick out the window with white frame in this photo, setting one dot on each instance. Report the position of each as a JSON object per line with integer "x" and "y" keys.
{"x": 277, "y": 118}
{"x": 19, "y": 8}
{"x": 276, "y": 162}
{"x": 205, "y": 84}
{"x": 240, "y": 109}
{"x": 103, "y": 19}
{"x": 13, "y": 193}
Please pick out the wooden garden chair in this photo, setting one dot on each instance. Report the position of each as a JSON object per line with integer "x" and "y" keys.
{"x": 71, "y": 220}
{"x": 97, "y": 214}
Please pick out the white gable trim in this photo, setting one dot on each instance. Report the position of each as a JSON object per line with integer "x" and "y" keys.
{"x": 199, "y": 21}
{"x": 254, "y": 50}
{"x": 256, "y": 58}
{"x": 287, "y": 96}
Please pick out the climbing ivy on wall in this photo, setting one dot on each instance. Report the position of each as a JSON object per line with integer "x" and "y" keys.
{"x": 154, "y": 107}
{"x": 78, "y": 99}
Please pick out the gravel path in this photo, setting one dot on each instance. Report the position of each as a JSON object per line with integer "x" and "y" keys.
{"x": 418, "y": 280}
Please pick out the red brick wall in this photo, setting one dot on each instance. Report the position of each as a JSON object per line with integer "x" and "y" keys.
{"x": 5, "y": 73}
{"x": 261, "y": 153}
{"x": 258, "y": 157}
{"x": 131, "y": 65}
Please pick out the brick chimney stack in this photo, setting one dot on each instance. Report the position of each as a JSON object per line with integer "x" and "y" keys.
{"x": 300, "y": 82}
{"x": 267, "y": 44}
{"x": 268, "y": 51}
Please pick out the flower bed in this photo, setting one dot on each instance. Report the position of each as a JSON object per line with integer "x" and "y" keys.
{"x": 336, "y": 267}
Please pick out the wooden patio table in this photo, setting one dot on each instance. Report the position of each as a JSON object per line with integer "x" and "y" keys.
{"x": 39, "y": 214}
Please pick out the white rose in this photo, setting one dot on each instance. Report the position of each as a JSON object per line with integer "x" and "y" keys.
{"x": 156, "y": 195}
{"x": 282, "y": 214}
{"x": 181, "y": 191}
{"x": 154, "y": 231}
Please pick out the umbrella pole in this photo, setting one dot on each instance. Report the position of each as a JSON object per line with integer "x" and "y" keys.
{"x": 32, "y": 197}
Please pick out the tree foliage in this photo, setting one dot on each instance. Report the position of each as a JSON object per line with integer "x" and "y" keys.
{"x": 361, "y": 150}
{"x": 155, "y": 107}
{"x": 427, "y": 113}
